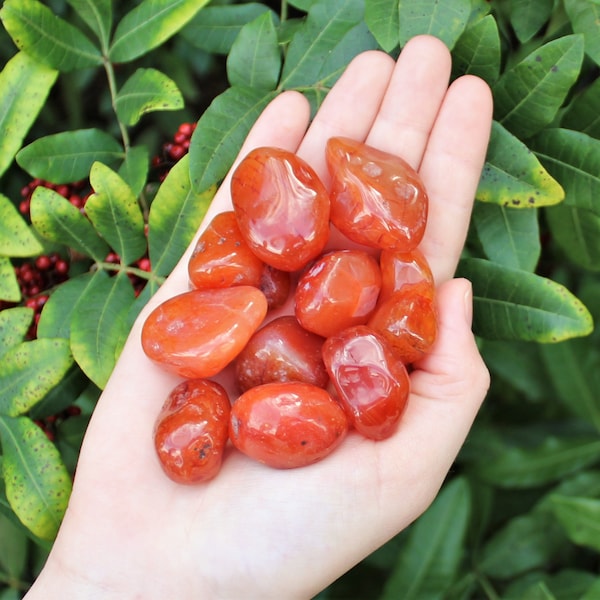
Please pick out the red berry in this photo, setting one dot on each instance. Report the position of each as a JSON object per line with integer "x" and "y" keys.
{"x": 43, "y": 262}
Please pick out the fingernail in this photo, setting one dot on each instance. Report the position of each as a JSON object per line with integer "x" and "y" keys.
{"x": 468, "y": 302}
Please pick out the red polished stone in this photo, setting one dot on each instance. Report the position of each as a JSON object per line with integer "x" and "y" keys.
{"x": 191, "y": 431}
{"x": 281, "y": 206}
{"x": 281, "y": 351}
{"x": 198, "y": 333}
{"x": 408, "y": 321}
{"x": 339, "y": 290}
{"x": 377, "y": 199}
{"x": 371, "y": 382}
{"x": 287, "y": 425}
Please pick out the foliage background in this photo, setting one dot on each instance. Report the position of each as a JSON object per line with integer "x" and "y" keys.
{"x": 519, "y": 516}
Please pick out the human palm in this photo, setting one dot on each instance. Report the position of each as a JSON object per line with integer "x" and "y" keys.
{"x": 257, "y": 532}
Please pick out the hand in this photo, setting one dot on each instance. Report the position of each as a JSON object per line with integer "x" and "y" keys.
{"x": 256, "y": 532}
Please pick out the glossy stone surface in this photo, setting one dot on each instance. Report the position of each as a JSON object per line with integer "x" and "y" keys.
{"x": 339, "y": 290}
{"x": 370, "y": 381}
{"x": 281, "y": 206}
{"x": 287, "y": 425}
{"x": 281, "y": 351}
{"x": 197, "y": 333}
{"x": 377, "y": 199}
{"x": 191, "y": 431}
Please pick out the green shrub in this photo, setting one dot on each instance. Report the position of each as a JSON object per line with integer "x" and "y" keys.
{"x": 161, "y": 111}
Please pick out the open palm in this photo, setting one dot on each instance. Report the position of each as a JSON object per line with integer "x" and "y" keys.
{"x": 257, "y": 532}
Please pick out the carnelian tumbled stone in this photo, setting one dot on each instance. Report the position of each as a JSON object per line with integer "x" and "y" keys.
{"x": 408, "y": 321}
{"x": 197, "y": 333}
{"x": 282, "y": 350}
{"x": 401, "y": 270}
{"x": 191, "y": 431}
{"x": 377, "y": 199}
{"x": 287, "y": 425}
{"x": 339, "y": 290}
{"x": 282, "y": 207}
{"x": 371, "y": 382}
{"x": 221, "y": 257}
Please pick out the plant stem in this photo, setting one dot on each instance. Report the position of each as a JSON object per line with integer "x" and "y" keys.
{"x": 112, "y": 85}
{"x": 284, "y": 11}
{"x": 118, "y": 268}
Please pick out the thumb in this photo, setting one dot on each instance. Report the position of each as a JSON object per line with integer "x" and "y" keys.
{"x": 448, "y": 387}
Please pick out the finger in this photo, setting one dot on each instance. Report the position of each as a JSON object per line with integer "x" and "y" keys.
{"x": 451, "y": 170}
{"x": 349, "y": 108}
{"x": 412, "y": 100}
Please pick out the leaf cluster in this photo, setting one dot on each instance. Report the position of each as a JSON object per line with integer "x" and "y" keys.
{"x": 89, "y": 90}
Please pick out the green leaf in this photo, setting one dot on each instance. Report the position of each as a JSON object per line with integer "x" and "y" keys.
{"x": 585, "y": 19}
{"x": 9, "y": 285}
{"x": 150, "y": 24}
{"x": 68, "y": 156}
{"x": 509, "y": 237}
{"x": 16, "y": 238}
{"x": 29, "y": 371}
{"x": 580, "y": 518}
{"x": 37, "y": 483}
{"x": 430, "y": 559}
{"x": 115, "y": 213}
{"x": 13, "y": 550}
{"x": 582, "y": 114}
{"x": 221, "y": 131}
{"x": 554, "y": 458}
{"x": 444, "y": 20}
{"x": 57, "y": 220}
{"x": 527, "y": 17}
{"x": 147, "y": 90}
{"x": 48, "y": 39}
{"x": 97, "y": 15}
{"x": 55, "y": 320}
{"x": 215, "y": 28}
{"x": 526, "y": 542}
{"x": 592, "y": 592}
{"x": 382, "y": 18}
{"x": 255, "y": 58}
{"x": 24, "y": 87}
{"x": 175, "y": 216}
{"x": 577, "y": 231}
{"x": 573, "y": 370}
{"x": 573, "y": 158}
{"x": 513, "y": 176}
{"x": 477, "y": 51}
{"x": 97, "y": 326}
{"x": 134, "y": 169}
{"x": 515, "y": 305}
{"x": 14, "y": 324}
{"x": 326, "y": 24}
{"x": 528, "y": 95}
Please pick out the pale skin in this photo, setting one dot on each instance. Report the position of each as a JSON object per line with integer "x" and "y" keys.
{"x": 255, "y": 532}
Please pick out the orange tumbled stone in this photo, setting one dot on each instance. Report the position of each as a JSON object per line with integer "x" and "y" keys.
{"x": 198, "y": 333}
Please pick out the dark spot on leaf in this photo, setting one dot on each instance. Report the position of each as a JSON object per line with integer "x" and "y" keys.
{"x": 554, "y": 68}
{"x": 531, "y": 200}
{"x": 515, "y": 202}
{"x": 538, "y": 58}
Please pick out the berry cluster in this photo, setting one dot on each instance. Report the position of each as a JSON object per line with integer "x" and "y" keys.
{"x": 143, "y": 264}
{"x": 49, "y": 424}
{"x": 76, "y": 193}
{"x": 173, "y": 150}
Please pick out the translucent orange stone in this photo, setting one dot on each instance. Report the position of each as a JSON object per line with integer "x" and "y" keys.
{"x": 339, "y": 290}
{"x": 198, "y": 333}
{"x": 401, "y": 270}
{"x": 377, "y": 199}
{"x": 371, "y": 382}
{"x": 282, "y": 207}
